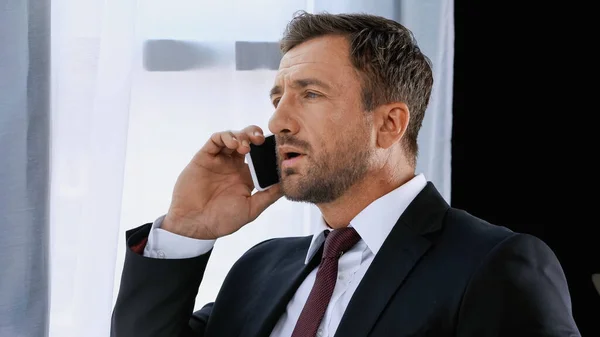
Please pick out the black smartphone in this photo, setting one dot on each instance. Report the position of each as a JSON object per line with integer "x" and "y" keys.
{"x": 262, "y": 161}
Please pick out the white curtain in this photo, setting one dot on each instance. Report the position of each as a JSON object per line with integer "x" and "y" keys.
{"x": 93, "y": 48}
{"x": 138, "y": 88}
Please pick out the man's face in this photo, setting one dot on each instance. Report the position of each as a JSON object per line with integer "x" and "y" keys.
{"x": 319, "y": 114}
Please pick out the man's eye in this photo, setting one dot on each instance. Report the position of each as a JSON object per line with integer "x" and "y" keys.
{"x": 276, "y": 102}
{"x": 310, "y": 94}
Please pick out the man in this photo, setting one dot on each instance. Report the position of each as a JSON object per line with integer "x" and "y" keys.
{"x": 390, "y": 258}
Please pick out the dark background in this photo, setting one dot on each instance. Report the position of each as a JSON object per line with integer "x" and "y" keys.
{"x": 513, "y": 158}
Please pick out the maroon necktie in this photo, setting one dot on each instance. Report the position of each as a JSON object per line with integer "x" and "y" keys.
{"x": 336, "y": 243}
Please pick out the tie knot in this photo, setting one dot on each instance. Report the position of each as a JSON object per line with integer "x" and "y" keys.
{"x": 339, "y": 241}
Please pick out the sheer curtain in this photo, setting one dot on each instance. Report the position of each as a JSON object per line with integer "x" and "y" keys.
{"x": 92, "y": 58}
{"x": 139, "y": 87}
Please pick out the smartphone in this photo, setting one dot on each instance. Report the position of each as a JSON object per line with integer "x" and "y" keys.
{"x": 262, "y": 161}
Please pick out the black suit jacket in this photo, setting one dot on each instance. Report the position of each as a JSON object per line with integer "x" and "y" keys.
{"x": 441, "y": 272}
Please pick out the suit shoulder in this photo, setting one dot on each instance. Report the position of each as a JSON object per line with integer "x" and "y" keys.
{"x": 474, "y": 231}
{"x": 526, "y": 246}
{"x": 466, "y": 239}
{"x": 481, "y": 240}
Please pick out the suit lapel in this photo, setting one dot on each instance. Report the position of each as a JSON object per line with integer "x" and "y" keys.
{"x": 283, "y": 283}
{"x": 400, "y": 252}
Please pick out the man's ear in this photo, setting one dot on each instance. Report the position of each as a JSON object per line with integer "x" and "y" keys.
{"x": 392, "y": 121}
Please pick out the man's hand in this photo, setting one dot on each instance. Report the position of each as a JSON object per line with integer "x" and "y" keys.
{"x": 213, "y": 197}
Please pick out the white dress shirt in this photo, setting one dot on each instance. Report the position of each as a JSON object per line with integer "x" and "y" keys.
{"x": 373, "y": 224}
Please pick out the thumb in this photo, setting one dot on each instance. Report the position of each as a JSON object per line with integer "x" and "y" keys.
{"x": 263, "y": 199}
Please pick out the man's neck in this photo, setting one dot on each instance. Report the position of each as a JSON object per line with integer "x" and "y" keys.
{"x": 339, "y": 213}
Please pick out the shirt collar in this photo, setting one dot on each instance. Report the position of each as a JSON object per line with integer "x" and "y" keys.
{"x": 375, "y": 222}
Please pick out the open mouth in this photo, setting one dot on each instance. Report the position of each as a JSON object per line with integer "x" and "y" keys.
{"x": 291, "y": 159}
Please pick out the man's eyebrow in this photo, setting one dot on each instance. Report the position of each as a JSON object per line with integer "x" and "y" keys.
{"x": 275, "y": 91}
{"x": 301, "y": 83}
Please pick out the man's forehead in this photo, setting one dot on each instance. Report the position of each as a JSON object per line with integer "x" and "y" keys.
{"x": 322, "y": 51}
{"x": 324, "y": 57}
{"x": 304, "y": 69}
{"x": 328, "y": 75}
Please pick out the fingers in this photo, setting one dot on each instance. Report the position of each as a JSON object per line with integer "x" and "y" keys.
{"x": 263, "y": 199}
{"x": 227, "y": 142}
{"x": 233, "y": 142}
{"x": 255, "y": 134}
{"x": 249, "y": 135}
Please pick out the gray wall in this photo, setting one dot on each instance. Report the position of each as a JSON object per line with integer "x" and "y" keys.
{"x": 24, "y": 167}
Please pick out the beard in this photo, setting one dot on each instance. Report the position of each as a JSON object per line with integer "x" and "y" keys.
{"x": 329, "y": 175}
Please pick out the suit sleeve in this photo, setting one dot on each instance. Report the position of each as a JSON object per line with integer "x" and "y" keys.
{"x": 156, "y": 296}
{"x": 520, "y": 290}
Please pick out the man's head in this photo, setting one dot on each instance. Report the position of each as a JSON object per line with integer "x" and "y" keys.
{"x": 350, "y": 95}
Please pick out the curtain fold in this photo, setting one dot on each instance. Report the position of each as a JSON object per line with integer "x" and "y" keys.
{"x": 24, "y": 167}
{"x": 92, "y": 55}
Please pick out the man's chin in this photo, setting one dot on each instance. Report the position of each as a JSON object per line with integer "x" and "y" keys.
{"x": 295, "y": 197}
{"x": 290, "y": 187}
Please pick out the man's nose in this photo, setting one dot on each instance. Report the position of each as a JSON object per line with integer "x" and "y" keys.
{"x": 284, "y": 119}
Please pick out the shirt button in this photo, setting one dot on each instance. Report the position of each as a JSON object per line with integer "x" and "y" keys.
{"x": 161, "y": 254}
{"x": 320, "y": 332}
